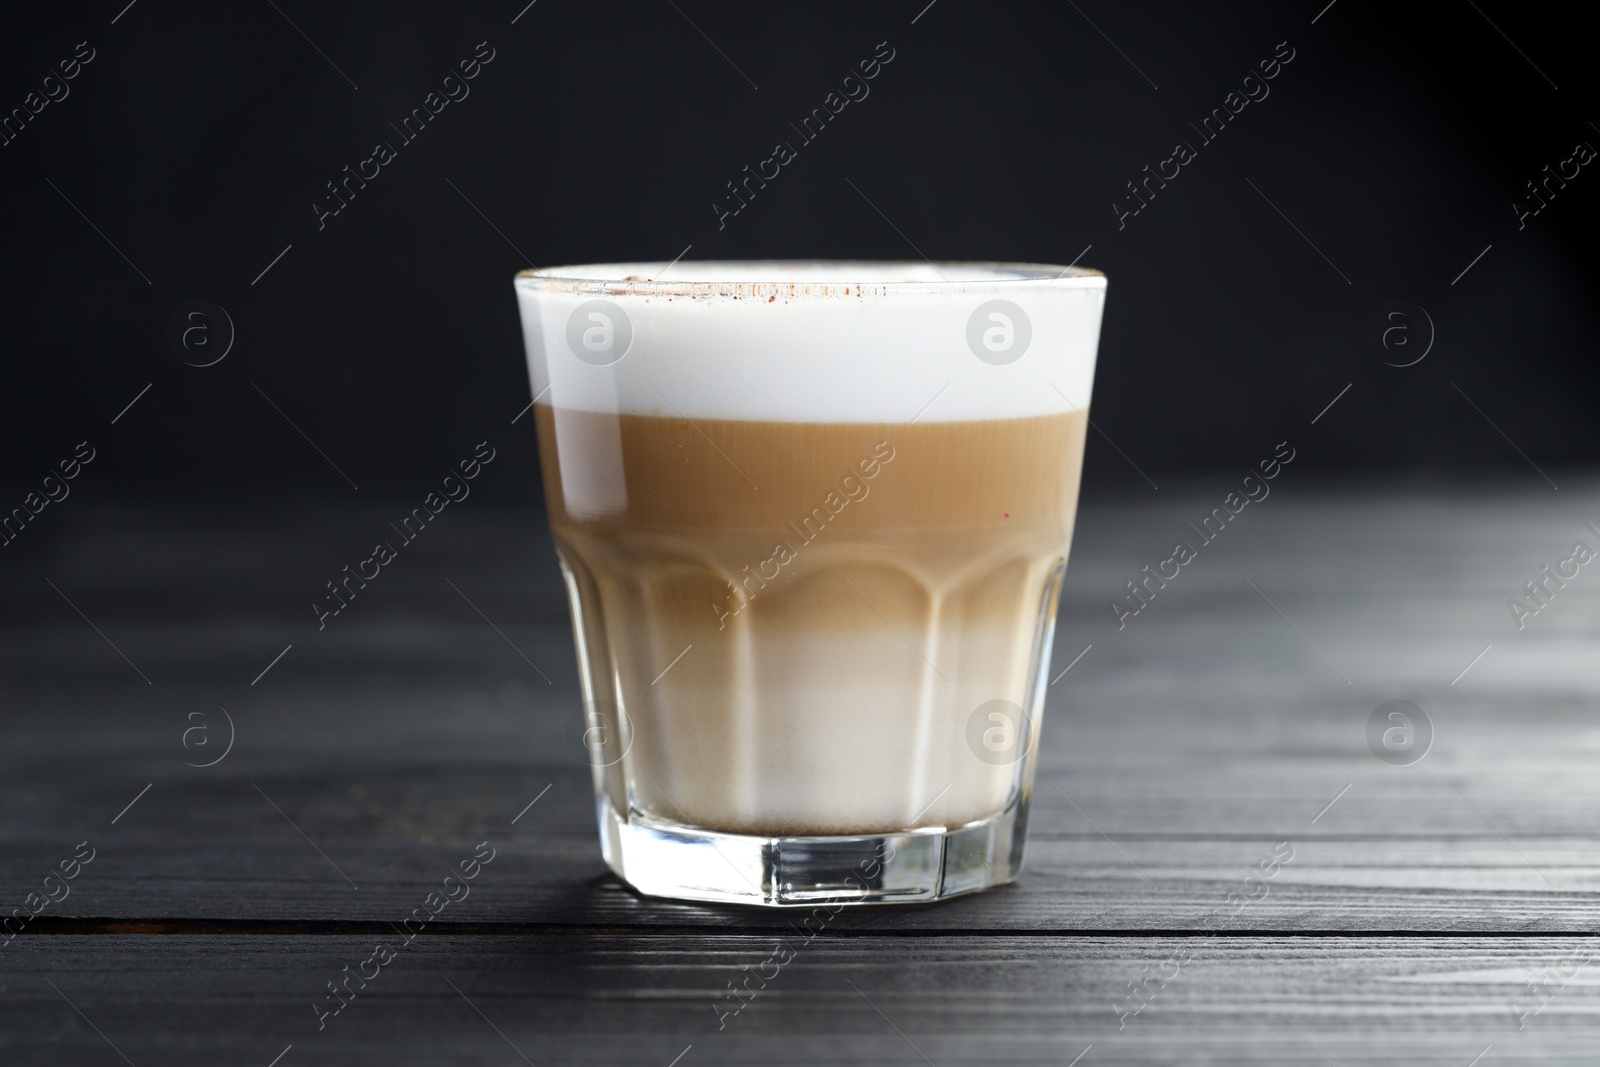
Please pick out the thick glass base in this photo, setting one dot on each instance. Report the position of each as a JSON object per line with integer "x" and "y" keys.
{"x": 667, "y": 859}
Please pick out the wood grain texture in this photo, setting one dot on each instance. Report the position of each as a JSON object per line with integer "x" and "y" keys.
{"x": 1178, "y": 752}
{"x": 950, "y": 1001}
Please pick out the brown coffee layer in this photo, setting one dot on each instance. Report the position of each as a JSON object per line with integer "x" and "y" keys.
{"x": 760, "y": 476}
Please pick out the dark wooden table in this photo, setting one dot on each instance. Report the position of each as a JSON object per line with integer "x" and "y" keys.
{"x": 1431, "y": 913}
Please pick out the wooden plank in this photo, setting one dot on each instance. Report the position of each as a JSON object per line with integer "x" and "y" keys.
{"x": 218, "y": 849}
{"x": 944, "y": 1000}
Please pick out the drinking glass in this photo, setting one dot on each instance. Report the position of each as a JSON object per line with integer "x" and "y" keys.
{"x": 813, "y": 519}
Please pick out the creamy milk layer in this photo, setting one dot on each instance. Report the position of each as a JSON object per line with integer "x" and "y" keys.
{"x": 841, "y": 342}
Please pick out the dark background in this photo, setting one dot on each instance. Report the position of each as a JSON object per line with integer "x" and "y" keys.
{"x": 200, "y": 135}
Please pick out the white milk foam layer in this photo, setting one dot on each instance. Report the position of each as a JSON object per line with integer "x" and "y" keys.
{"x": 813, "y": 342}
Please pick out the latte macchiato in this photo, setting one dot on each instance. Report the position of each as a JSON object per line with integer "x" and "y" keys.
{"x": 813, "y": 520}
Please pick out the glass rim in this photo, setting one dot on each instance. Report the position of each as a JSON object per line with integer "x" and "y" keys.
{"x": 805, "y": 277}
